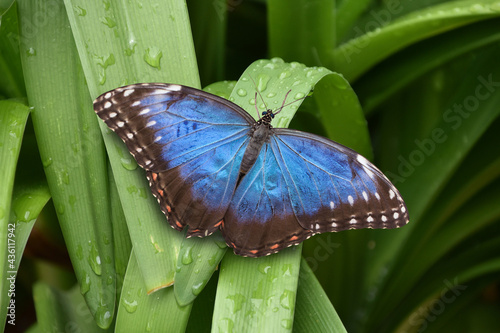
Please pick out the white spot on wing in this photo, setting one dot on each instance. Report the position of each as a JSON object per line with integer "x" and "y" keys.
{"x": 365, "y": 196}
{"x": 108, "y": 94}
{"x": 316, "y": 226}
{"x": 370, "y": 219}
{"x": 136, "y": 103}
{"x": 334, "y": 225}
{"x": 391, "y": 194}
{"x": 147, "y": 162}
{"x": 128, "y": 92}
{"x": 332, "y": 205}
{"x": 151, "y": 123}
{"x": 158, "y": 138}
{"x": 377, "y": 196}
{"x": 353, "y": 221}
{"x": 144, "y": 111}
{"x": 396, "y": 215}
{"x": 112, "y": 114}
{"x": 350, "y": 199}
{"x": 174, "y": 87}
{"x": 107, "y": 105}
{"x": 130, "y": 135}
{"x": 384, "y": 218}
{"x": 120, "y": 124}
{"x": 403, "y": 209}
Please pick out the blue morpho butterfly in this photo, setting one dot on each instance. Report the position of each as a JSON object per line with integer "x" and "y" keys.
{"x": 211, "y": 166}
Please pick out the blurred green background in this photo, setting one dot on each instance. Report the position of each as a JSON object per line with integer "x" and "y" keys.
{"x": 97, "y": 253}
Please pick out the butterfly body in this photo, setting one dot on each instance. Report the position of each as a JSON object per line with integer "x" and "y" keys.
{"x": 211, "y": 166}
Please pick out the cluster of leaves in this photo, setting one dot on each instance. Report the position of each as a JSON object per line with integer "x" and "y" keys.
{"x": 424, "y": 73}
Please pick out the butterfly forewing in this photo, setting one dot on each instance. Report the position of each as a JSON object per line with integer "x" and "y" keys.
{"x": 190, "y": 142}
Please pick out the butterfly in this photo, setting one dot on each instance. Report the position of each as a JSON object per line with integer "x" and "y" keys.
{"x": 211, "y": 167}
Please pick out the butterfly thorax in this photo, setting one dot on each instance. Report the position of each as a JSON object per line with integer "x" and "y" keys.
{"x": 258, "y": 136}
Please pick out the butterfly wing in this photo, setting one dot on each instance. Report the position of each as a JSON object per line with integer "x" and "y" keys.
{"x": 189, "y": 142}
{"x": 307, "y": 184}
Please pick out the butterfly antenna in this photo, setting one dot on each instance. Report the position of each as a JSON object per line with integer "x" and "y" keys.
{"x": 256, "y": 108}
{"x": 284, "y": 105}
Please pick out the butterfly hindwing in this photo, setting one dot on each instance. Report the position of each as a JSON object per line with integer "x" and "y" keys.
{"x": 189, "y": 142}
{"x": 260, "y": 219}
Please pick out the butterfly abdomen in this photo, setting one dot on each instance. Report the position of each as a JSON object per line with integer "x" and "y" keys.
{"x": 258, "y": 137}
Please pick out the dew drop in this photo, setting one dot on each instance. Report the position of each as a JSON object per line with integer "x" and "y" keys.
{"x": 264, "y": 268}
{"x": 108, "y": 21}
{"x": 287, "y": 270}
{"x": 287, "y": 299}
{"x": 94, "y": 259}
{"x": 130, "y": 306}
{"x": 262, "y": 81}
{"x": 61, "y": 209}
{"x": 31, "y": 52}
{"x": 103, "y": 316}
{"x": 187, "y": 256}
{"x": 131, "y": 48}
{"x": 80, "y": 11}
{"x": 284, "y": 75}
{"x": 286, "y": 323}
{"x": 299, "y": 95}
{"x": 47, "y": 162}
{"x": 128, "y": 163}
{"x": 270, "y": 66}
{"x": 85, "y": 284}
{"x": 152, "y": 57}
{"x": 241, "y": 92}
{"x": 197, "y": 288}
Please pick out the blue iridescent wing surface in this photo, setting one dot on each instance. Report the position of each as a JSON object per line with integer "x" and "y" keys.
{"x": 189, "y": 142}
{"x": 309, "y": 185}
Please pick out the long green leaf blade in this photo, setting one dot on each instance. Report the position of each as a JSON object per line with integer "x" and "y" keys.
{"x": 119, "y": 44}
{"x": 13, "y": 116}
{"x": 72, "y": 151}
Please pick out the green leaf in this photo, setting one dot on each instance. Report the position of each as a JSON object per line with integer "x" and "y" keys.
{"x": 257, "y": 293}
{"x": 59, "y": 311}
{"x": 314, "y": 311}
{"x": 360, "y": 54}
{"x": 139, "y": 312}
{"x": 289, "y": 39}
{"x": 208, "y": 23}
{"x": 120, "y": 45}
{"x": 198, "y": 259}
{"x": 11, "y": 80}
{"x": 72, "y": 151}
{"x": 459, "y": 126}
{"x": 13, "y": 116}
{"x": 399, "y": 70}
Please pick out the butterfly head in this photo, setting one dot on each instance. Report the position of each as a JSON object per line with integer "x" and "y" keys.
{"x": 267, "y": 116}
